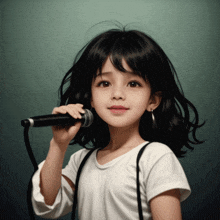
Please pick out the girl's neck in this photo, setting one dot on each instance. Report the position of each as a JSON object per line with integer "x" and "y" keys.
{"x": 124, "y": 137}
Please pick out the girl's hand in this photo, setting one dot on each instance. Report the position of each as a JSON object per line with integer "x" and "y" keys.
{"x": 63, "y": 135}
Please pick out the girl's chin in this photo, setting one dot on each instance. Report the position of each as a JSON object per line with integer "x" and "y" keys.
{"x": 121, "y": 125}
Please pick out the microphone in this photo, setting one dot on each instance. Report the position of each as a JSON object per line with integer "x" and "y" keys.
{"x": 58, "y": 119}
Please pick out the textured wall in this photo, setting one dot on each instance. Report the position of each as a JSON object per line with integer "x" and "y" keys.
{"x": 38, "y": 41}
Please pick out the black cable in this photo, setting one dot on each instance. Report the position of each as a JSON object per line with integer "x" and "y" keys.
{"x": 28, "y": 147}
{"x": 32, "y": 158}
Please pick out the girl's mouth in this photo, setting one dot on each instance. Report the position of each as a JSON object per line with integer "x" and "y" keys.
{"x": 118, "y": 109}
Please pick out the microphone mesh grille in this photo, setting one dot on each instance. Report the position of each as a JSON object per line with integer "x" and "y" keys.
{"x": 88, "y": 118}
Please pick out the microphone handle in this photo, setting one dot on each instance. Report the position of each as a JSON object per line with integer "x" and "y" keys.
{"x": 51, "y": 120}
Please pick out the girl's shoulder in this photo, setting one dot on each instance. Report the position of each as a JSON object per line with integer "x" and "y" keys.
{"x": 78, "y": 156}
{"x": 156, "y": 150}
{"x": 160, "y": 158}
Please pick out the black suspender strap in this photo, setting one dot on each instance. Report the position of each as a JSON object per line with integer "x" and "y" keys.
{"x": 140, "y": 211}
{"x": 77, "y": 181}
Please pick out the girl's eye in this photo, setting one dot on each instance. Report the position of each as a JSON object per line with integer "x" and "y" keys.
{"x": 104, "y": 84}
{"x": 134, "y": 84}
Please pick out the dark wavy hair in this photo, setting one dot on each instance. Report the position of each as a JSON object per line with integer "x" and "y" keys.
{"x": 147, "y": 59}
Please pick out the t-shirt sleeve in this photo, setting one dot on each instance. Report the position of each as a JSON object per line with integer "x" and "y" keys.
{"x": 72, "y": 167}
{"x": 166, "y": 174}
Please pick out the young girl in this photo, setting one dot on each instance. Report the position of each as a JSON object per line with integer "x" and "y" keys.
{"x": 129, "y": 84}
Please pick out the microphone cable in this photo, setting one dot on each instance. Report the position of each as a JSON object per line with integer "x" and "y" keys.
{"x": 35, "y": 165}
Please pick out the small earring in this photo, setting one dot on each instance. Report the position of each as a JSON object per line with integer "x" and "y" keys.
{"x": 152, "y": 115}
{"x": 154, "y": 124}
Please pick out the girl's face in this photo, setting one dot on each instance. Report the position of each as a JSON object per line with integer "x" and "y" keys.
{"x": 121, "y": 98}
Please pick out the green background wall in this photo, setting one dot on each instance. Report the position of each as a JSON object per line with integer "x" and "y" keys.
{"x": 38, "y": 41}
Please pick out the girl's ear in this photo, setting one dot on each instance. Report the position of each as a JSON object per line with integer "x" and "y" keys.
{"x": 154, "y": 101}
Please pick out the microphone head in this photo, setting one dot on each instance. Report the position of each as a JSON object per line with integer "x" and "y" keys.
{"x": 88, "y": 118}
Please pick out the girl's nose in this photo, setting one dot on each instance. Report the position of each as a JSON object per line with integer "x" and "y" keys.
{"x": 118, "y": 93}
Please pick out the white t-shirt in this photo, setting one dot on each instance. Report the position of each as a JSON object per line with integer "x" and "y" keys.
{"x": 108, "y": 192}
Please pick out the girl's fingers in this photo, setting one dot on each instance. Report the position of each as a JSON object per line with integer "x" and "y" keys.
{"x": 72, "y": 109}
{"x": 59, "y": 110}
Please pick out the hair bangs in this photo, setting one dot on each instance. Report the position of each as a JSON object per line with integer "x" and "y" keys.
{"x": 136, "y": 49}
{"x": 122, "y": 46}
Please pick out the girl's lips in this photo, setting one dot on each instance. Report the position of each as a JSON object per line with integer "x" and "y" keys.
{"x": 118, "y": 109}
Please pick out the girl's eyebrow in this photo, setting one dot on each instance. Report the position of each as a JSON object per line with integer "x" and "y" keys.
{"x": 100, "y": 74}
{"x": 109, "y": 72}
{"x": 103, "y": 73}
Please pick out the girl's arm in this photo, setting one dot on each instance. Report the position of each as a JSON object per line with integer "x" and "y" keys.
{"x": 51, "y": 173}
{"x": 50, "y": 176}
{"x": 166, "y": 206}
